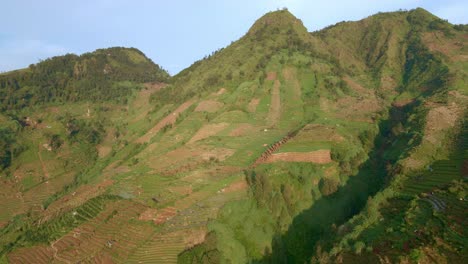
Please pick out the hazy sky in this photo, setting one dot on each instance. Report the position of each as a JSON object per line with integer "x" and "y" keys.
{"x": 173, "y": 33}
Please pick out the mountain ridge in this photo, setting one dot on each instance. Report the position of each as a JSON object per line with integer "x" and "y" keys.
{"x": 286, "y": 146}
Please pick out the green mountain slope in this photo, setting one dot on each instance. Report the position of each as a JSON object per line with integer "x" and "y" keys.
{"x": 284, "y": 147}
{"x": 102, "y": 75}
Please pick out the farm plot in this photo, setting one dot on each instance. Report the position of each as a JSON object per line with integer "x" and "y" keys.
{"x": 110, "y": 233}
{"x": 443, "y": 172}
{"x": 168, "y": 120}
{"x": 161, "y": 248}
{"x": 318, "y": 156}
{"x": 208, "y": 131}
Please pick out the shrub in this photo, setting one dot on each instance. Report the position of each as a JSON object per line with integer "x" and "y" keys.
{"x": 328, "y": 186}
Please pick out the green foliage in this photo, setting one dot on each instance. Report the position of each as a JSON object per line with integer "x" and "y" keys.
{"x": 92, "y": 76}
{"x": 44, "y": 233}
{"x": 9, "y": 146}
{"x": 328, "y": 186}
{"x": 206, "y": 253}
{"x": 80, "y": 130}
{"x": 55, "y": 142}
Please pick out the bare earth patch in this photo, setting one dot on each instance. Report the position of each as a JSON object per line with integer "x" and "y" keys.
{"x": 319, "y": 157}
{"x": 182, "y": 190}
{"x": 318, "y": 132}
{"x": 252, "y": 106}
{"x": 208, "y": 131}
{"x": 208, "y": 106}
{"x": 439, "y": 119}
{"x": 221, "y": 91}
{"x": 168, "y": 120}
{"x": 355, "y": 86}
{"x": 148, "y": 215}
{"x": 235, "y": 186}
{"x": 357, "y": 109}
{"x": 242, "y": 130}
{"x": 185, "y": 156}
{"x": 194, "y": 237}
{"x": 165, "y": 214}
{"x": 271, "y": 76}
{"x": 451, "y": 47}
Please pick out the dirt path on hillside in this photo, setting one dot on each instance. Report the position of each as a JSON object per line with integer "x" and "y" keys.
{"x": 168, "y": 120}
{"x": 275, "y": 105}
{"x": 44, "y": 169}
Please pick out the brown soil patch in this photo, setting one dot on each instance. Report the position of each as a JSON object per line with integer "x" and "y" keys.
{"x": 252, "y": 106}
{"x": 221, "y": 91}
{"x": 148, "y": 215}
{"x": 165, "y": 214}
{"x": 36, "y": 254}
{"x": 401, "y": 103}
{"x": 439, "y": 119}
{"x": 355, "y": 86}
{"x": 208, "y": 131}
{"x": 182, "y": 190}
{"x": 191, "y": 157}
{"x": 168, "y": 120}
{"x": 194, "y": 237}
{"x": 209, "y": 106}
{"x": 357, "y": 108}
{"x": 318, "y": 132}
{"x": 103, "y": 150}
{"x": 242, "y": 130}
{"x": 319, "y": 156}
{"x": 275, "y": 105}
{"x": 451, "y": 47}
{"x": 271, "y": 76}
{"x": 236, "y": 186}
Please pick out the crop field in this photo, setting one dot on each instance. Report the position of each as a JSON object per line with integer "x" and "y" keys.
{"x": 439, "y": 175}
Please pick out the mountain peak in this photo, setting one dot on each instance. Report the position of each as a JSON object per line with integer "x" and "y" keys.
{"x": 278, "y": 21}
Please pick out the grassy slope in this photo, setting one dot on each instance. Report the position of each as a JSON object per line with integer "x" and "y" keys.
{"x": 185, "y": 184}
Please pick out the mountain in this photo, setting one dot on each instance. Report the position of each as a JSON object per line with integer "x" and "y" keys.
{"x": 104, "y": 74}
{"x": 342, "y": 145}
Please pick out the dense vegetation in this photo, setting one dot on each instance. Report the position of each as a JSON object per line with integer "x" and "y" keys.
{"x": 91, "y": 158}
{"x": 102, "y": 75}
{"x": 309, "y": 223}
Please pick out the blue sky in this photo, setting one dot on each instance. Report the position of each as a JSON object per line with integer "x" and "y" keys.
{"x": 173, "y": 33}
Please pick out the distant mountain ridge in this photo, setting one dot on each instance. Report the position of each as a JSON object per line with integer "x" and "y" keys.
{"x": 105, "y": 74}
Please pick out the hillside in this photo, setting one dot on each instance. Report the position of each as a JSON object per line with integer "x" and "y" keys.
{"x": 102, "y": 75}
{"x": 345, "y": 145}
